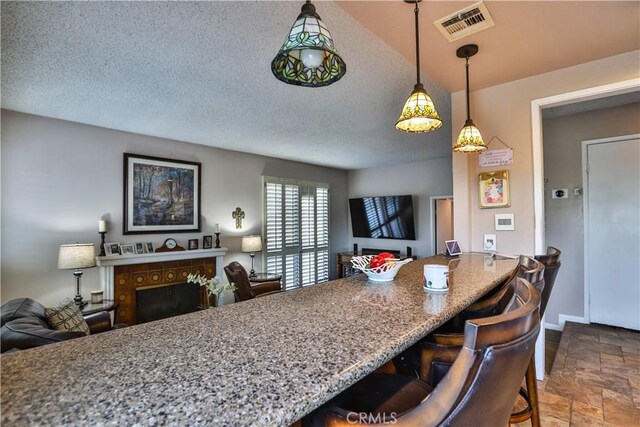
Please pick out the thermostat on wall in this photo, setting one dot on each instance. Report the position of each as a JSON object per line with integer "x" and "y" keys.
{"x": 504, "y": 222}
{"x": 560, "y": 193}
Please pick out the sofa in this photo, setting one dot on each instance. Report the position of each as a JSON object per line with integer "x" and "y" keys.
{"x": 25, "y": 325}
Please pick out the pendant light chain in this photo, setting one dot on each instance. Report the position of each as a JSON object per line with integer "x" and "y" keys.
{"x": 417, "y": 43}
{"x": 468, "y": 108}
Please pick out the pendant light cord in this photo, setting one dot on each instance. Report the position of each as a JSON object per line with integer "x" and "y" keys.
{"x": 467, "y": 68}
{"x": 417, "y": 44}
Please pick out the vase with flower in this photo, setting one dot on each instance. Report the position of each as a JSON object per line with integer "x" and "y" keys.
{"x": 218, "y": 294}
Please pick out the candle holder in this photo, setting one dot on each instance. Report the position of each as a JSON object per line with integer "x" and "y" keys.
{"x": 217, "y": 239}
{"x": 102, "y": 252}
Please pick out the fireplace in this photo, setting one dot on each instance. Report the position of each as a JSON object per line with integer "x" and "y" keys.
{"x": 160, "y": 302}
{"x": 131, "y": 280}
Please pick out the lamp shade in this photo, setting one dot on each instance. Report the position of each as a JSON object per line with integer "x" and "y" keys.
{"x": 308, "y": 56}
{"x": 80, "y": 255}
{"x": 251, "y": 244}
{"x": 419, "y": 113}
{"x": 469, "y": 140}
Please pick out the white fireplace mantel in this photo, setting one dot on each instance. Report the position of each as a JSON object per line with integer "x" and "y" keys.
{"x": 107, "y": 263}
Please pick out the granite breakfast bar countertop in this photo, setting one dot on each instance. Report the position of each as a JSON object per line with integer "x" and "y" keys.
{"x": 264, "y": 362}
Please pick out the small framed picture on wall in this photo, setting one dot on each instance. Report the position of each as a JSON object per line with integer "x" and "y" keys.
{"x": 207, "y": 242}
{"x": 494, "y": 189}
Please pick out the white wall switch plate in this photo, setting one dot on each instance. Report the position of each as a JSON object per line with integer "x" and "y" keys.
{"x": 560, "y": 193}
{"x": 577, "y": 192}
{"x": 504, "y": 222}
{"x": 489, "y": 242}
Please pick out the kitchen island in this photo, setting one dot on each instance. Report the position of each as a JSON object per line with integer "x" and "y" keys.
{"x": 264, "y": 362}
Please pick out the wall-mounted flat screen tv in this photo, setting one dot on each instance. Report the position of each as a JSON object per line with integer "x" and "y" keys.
{"x": 387, "y": 217}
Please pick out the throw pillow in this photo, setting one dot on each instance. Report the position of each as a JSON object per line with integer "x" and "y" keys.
{"x": 67, "y": 317}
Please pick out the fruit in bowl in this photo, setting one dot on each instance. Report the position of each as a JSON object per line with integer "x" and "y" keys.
{"x": 379, "y": 268}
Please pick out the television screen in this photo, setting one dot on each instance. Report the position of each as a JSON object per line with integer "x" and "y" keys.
{"x": 387, "y": 217}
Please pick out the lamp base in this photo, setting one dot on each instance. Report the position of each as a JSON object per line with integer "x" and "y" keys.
{"x": 79, "y": 302}
{"x": 252, "y": 273}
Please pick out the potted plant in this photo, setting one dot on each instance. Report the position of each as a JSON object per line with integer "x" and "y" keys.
{"x": 218, "y": 294}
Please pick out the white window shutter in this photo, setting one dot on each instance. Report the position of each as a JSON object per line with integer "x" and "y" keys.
{"x": 296, "y": 229}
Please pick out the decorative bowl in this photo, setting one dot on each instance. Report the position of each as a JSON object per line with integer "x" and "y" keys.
{"x": 384, "y": 273}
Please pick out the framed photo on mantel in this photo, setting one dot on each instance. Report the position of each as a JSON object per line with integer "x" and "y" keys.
{"x": 160, "y": 195}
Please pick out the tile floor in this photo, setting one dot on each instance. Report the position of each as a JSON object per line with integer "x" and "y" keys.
{"x": 595, "y": 379}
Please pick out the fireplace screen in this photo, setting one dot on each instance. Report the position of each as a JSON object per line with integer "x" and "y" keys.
{"x": 167, "y": 301}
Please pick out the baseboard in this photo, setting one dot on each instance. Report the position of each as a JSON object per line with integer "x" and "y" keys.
{"x": 552, "y": 326}
{"x": 563, "y": 318}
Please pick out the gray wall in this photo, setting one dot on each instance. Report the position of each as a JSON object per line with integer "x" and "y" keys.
{"x": 564, "y": 217}
{"x": 59, "y": 178}
{"x": 421, "y": 179}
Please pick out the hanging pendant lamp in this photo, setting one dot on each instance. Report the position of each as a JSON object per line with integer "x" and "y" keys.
{"x": 469, "y": 140}
{"x": 308, "y": 57}
{"x": 419, "y": 113}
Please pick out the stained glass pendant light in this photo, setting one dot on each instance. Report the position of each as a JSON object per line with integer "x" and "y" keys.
{"x": 419, "y": 113}
{"x": 308, "y": 57}
{"x": 469, "y": 140}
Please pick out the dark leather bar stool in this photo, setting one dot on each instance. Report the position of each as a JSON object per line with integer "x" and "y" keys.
{"x": 551, "y": 262}
{"x": 479, "y": 389}
{"x": 450, "y": 335}
{"x": 244, "y": 291}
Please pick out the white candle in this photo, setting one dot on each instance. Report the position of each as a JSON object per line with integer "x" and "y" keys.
{"x": 216, "y": 228}
{"x": 102, "y": 226}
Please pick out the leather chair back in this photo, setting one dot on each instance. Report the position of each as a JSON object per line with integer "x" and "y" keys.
{"x": 238, "y": 276}
{"x": 532, "y": 271}
{"x": 551, "y": 263}
{"x": 482, "y": 384}
{"x": 494, "y": 302}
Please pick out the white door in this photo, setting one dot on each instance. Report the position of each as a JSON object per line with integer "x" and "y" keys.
{"x": 612, "y": 224}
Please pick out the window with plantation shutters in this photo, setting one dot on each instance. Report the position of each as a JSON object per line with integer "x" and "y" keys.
{"x": 296, "y": 231}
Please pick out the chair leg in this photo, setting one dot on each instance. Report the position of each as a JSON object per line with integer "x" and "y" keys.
{"x": 530, "y": 394}
{"x": 532, "y": 387}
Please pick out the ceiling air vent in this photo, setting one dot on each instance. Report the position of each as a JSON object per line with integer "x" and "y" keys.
{"x": 463, "y": 23}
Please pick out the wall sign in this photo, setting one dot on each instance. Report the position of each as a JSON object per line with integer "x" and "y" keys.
{"x": 499, "y": 157}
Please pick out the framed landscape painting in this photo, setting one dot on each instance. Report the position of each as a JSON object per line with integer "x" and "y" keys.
{"x": 160, "y": 195}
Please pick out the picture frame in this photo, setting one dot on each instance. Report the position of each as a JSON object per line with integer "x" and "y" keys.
{"x": 207, "y": 242}
{"x": 140, "y": 248}
{"x": 160, "y": 195}
{"x": 193, "y": 244}
{"x": 148, "y": 248}
{"x": 112, "y": 248}
{"x": 494, "y": 189}
{"x": 127, "y": 249}
{"x": 452, "y": 248}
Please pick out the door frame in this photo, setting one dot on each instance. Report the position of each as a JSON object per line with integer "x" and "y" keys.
{"x": 537, "y": 105}
{"x": 585, "y": 214}
{"x": 432, "y": 208}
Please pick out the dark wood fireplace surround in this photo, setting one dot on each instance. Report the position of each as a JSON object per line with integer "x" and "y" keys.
{"x": 130, "y": 278}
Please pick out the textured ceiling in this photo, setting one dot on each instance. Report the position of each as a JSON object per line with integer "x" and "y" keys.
{"x": 529, "y": 37}
{"x": 200, "y": 72}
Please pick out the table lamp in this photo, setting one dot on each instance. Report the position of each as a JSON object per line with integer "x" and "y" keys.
{"x": 76, "y": 257}
{"x": 252, "y": 244}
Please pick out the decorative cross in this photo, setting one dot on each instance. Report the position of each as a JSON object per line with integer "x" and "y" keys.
{"x": 238, "y": 215}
